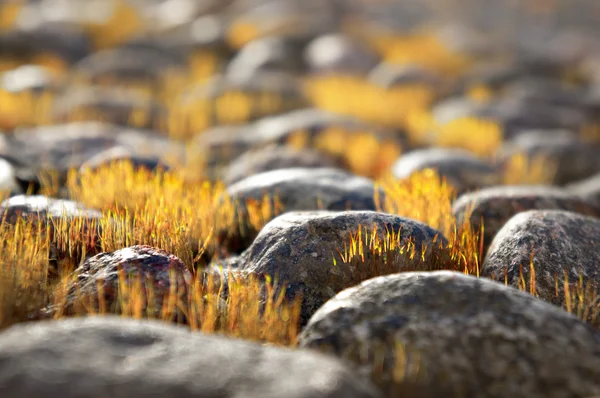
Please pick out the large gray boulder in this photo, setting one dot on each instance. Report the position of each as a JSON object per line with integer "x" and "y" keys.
{"x": 494, "y": 206}
{"x": 100, "y": 357}
{"x": 302, "y": 251}
{"x": 557, "y": 243}
{"x": 446, "y": 334}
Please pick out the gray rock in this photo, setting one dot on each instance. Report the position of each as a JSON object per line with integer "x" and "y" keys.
{"x": 98, "y": 357}
{"x": 302, "y": 251}
{"x": 589, "y": 189}
{"x": 108, "y": 105}
{"x": 267, "y": 53}
{"x": 387, "y": 76}
{"x": 462, "y": 169}
{"x": 42, "y": 207}
{"x": 60, "y": 147}
{"x": 275, "y": 157}
{"x": 338, "y": 53}
{"x": 157, "y": 270}
{"x": 570, "y": 158}
{"x": 496, "y": 205}
{"x": 120, "y": 153}
{"x": 560, "y": 243}
{"x": 8, "y": 181}
{"x": 446, "y": 334}
{"x": 297, "y": 189}
{"x": 123, "y": 65}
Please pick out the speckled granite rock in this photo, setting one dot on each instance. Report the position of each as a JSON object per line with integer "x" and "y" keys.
{"x": 151, "y": 265}
{"x": 463, "y": 170}
{"x": 558, "y": 241}
{"x": 496, "y": 205}
{"x": 462, "y": 336}
{"x": 296, "y": 189}
{"x": 97, "y": 357}
{"x": 299, "y": 249}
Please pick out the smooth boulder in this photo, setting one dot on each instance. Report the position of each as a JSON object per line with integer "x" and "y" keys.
{"x": 98, "y": 357}
{"x": 446, "y": 334}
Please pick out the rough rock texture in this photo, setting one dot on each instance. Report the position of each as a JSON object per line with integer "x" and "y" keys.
{"x": 458, "y": 335}
{"x": 155, "y": 267}
{"x": 100, "y": 357}
{"x": 274, "y": 157}
{"x": 496, "y": 205}
{"x": 295, "y": 189}
{"x": 299, "y": 249}
{"x": 589, "y": 189}
{"x": 557, "y": 241}
{"x": 461, "y": 169}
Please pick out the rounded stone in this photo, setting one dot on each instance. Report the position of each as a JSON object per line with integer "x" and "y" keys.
{"x": 492, "y": 207}
{"x": 98, "y": 357}
{"x": 275, "y": 157}
{"x": 446, "y": 334}
{"x": 303, "y": 251}
{"x": 462, "y": 169}
{"x": 296, "y": 189}
{"x": 556, "y": 243}
{"x": 98, "y": 281}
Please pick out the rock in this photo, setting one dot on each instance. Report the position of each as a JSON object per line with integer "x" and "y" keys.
{"x": 60, "y": 147}
{"x": 120, "y": 153}
{"x": 27, "y": 78}
{"x": 220, "y": 145}
{"x": 152, "y": 265}
{"x": 302, "y": 251}
{"x": 8, "y": 181}
{"x": 496, "y": 205}
{"x": 571, "y": 159}
{"x": 589, "y": 189}
{"x": 127, "y": 65}
{"x": 267, "y": 53}
{"x": 296, "y": 189}
{"x": 337, "y": 53}
{"x": 457, "y": 335}
{"x": 521, "y": 113}
{"x": 41, "y": 207}
{"x": 52, "y": 215}
{"x": 463, "y": 170}
{"x": 386, "y": 75}
{"x": 108, "y": 105}
{"x": 275, "y": 157}
{"x": 108, "y": 356}
{"x": 558, "y": 243}
{"x": 242, "y": 98}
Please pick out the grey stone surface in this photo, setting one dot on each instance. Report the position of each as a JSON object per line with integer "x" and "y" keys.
{"x": 457, "y": 335}
{"x": 558, "y": 242}
{"x": 101, "y": 357}
{"x": 297, "y": 189}
{"x": 98, "y": 280}
{"x": 299, "y": 249}
{"x": 275, "y": 157}
{"x": 496, "y": 205}
{"x": 462, "y": 169}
